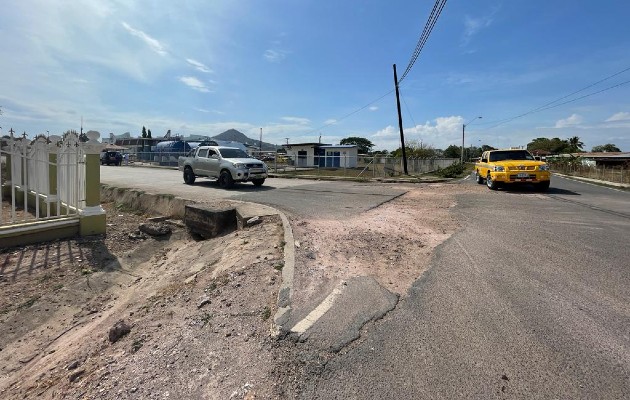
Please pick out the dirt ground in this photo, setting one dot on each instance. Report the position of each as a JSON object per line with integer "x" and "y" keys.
{"x": 199, "y": 313}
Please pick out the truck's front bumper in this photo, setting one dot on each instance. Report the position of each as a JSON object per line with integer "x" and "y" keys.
{"x": 244, "y": 175}
{"x": 522, "y": 177}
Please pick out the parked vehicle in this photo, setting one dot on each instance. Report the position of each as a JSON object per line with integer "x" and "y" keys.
{"x": 511, "y": 167}
{"x": 226, "y": 164}
{"x": 111, "y": 157}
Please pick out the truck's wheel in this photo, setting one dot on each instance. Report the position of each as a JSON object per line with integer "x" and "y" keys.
{"x": 258, "y": 182}
{"x": 492, "y": 185}
{"x": 225, "y": 180}
{"x": 478, "y": 178}
{"x": 542, "y": 186}
{"x": 189, "y": 176}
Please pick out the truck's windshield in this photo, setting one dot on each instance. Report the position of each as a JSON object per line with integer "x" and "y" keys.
{"x": 233, "y": 153}
{"x": 510, "y": 155}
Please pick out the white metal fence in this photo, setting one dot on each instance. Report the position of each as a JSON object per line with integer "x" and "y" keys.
{"x": 41, "y": 179}
{"x": 339, "y": 165}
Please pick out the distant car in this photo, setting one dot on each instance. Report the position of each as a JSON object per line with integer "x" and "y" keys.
{"x": 267, "y": 157}
{"x": 111, "y": 157}
{"x": 225, "y": 164}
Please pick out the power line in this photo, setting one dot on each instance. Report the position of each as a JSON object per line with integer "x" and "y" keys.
{"x": 552, "y": 104}
{"x": 353, "y": 112}
{"x": 408, "y": 110}
{"x": 424, "y": 36}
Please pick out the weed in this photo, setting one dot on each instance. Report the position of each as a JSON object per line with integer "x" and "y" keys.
{"x": 57, "y": 287}
{"x": 282, "y": 243}
{"x": 137, "y": 344}
{"x": 45, "y": 278}
{"x": 28, "y": 303}
{"x": 279, "y": 265}
{"x": 205, "y": 319}
{"x": 86, "y": 271}
{"x": 211, "y": 287}
{"x": 266, "y": 313}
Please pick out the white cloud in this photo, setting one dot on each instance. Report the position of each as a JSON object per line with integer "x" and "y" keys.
{"x": 198, "y": 65}
{"x": 274, "y": 56}
{"x": 194, "y": 83}
{"x": 472, "y": 26}
{"x": 620, "y": 116}
{"x": 373, "y": 108}
{"x": 387, "y": 132}
{"x": 203, "y": 110}
{"x": 297, "y": 120}
{"x": 154, "y": 44}
{"x": 330, "y": 121}
{"x": 572, "y": 121}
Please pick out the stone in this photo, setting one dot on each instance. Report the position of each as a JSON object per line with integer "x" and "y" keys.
{"x": 155, "y": 228}
{"x": 203, "y": 301}
{"x": 119, "y": 330}
{"x": 254, "y": 221}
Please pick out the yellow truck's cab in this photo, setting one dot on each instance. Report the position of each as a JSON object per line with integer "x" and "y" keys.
{"x": 511, "y": 167}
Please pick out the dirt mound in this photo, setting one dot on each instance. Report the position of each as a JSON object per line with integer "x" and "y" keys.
{"x": 197, "y": 313}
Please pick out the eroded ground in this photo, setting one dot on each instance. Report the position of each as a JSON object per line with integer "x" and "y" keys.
{"x": 199, "y": 312}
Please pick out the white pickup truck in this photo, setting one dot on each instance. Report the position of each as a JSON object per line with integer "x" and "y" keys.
{"x": 226, "y": 164}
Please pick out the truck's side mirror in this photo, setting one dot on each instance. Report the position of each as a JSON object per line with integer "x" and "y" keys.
{"x": 484, "y": 160}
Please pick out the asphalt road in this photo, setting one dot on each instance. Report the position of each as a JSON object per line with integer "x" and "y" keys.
{"x": 530, "y": 300}
{"x": 296, "y": 197}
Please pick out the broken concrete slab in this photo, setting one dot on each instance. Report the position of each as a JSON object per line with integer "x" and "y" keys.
{"x": 338, "y": 320}
{"x": 209, "y": 221}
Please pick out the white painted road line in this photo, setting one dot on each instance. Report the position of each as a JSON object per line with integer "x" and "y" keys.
{"x": 319, "y": 311}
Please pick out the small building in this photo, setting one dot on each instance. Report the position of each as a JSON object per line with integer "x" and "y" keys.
{"x": 322, "y": 155}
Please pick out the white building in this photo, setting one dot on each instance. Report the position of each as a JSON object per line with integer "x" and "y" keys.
{"x": 322, "y": 155}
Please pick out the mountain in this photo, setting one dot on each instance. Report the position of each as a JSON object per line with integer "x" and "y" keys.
{"x": 236, "y": 136}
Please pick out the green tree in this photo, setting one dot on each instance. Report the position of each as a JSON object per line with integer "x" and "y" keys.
{"x": 144, "y": 132}
{"x": 417, "y": 149}
{"x": 149, "y": 133}
{"x": 364, "y": 145}
{"x": 575, "y": 145}
{"x": 553, "y": 146}
{"x": 452, "y": 151}
{"x": 605, "y": 148}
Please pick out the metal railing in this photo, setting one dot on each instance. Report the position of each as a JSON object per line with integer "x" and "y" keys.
{"x": 614, "y": 174}
{"x": 326, "y": 165}
{"x": 41, "y": 179}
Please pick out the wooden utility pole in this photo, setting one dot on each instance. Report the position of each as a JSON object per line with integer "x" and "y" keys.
{"x": 400, "y": 123}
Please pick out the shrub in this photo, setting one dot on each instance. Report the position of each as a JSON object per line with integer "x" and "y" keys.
{"x": 452, "y": 171}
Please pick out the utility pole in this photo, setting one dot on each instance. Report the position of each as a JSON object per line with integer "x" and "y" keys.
{"x": 463, "y": 135}
{"x": 400, "y": 123}
{"x": 260, "y": 142}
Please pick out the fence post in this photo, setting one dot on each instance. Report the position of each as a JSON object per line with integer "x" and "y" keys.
{"x": 92, "y": 216}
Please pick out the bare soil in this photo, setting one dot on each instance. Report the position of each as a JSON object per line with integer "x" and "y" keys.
{"x": 199, "y": 313}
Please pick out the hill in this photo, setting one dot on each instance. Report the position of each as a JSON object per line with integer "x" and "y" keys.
{"x": 236, "y": 136}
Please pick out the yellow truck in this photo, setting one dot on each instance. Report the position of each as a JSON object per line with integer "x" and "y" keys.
{"x": 498, "y": 168}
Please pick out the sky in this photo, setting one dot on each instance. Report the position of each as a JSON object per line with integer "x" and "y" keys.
{"x": 306, "y": 69}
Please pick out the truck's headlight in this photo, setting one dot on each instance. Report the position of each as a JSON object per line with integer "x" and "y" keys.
{"x": 543, "y": 167}
{"x": 239, "y": 165}
{"x": 498, "y": 168}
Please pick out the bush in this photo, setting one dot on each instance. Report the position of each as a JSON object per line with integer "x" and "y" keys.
{"x": 452, "y": 171}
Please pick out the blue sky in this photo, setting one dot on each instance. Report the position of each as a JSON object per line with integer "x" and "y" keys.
{"x": 296, "y": 68}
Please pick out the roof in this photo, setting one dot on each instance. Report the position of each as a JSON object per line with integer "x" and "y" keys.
{"x": 305, "y": 144}
{"x": 339, "y": 146}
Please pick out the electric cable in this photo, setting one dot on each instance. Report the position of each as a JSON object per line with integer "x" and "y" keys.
{"x": 424, "y": 36}
{"x": 552, "y": 104}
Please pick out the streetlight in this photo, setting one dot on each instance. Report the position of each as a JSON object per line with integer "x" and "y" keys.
{"x": 463, "y": 135}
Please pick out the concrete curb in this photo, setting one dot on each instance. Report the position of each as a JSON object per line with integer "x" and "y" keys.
{"x": 596, "y": 181}
{"x": 174, "y": 206}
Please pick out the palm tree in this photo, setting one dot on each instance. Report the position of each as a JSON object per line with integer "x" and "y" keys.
{"x": 575, "y": 145}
